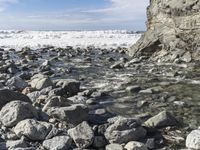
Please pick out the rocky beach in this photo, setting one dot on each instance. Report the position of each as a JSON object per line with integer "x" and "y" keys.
{"x": 117, "y": 97}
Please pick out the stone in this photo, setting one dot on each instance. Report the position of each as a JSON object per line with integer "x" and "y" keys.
{"x": 58, "y": 143}
{"x": 70, "y": 86}
{"x": 172, "y": 31}
{"x": 16, "y": 144}
{"x": 99, "y": 142}
{"x": 32, "y": 129}
{"x": 114, "y": 147}
{"x": 17, "y": 83}
{"x": 133, "y": 89}
{"x": 82, "y": 135}
{"x": 134, "y": 145}
{"x": 123, "y": 130}
{"x": 7, "y": 96}
{"x": 193, "y": 140}
{"x": 117, "y": 65}
{"x": 74, "y": 114}
{"x": 163, "y": 119}
{"x": 41, "y": 83}
{"x": 16, "y": 111}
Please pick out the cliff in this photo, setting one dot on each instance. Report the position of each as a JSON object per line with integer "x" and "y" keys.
{"x": 173, "y": 31}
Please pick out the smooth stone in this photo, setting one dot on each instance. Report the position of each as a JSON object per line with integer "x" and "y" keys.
{"x": 82, "y": 135}
{"x": 193, "y": 140}
{"x": 114, "y": 147}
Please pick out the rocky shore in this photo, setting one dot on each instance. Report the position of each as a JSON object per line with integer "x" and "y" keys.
{"x": 66, "y": 98}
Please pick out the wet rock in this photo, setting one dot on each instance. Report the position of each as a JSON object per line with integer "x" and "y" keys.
{"x": 16, "y": 111}
{"x": 71, "y": 87}
{"x": 82, "y": 135}
{"x": 32, "y": 129}
{"x": 41, "y": 82}
{"x": 74, "y": 114}
{"x": 17, "y": 83}
{"x": 114, "y": 147}
{"x": 193, "y": 140}
{"x": 99, "y": 142}
{"x": 58, "y": 143}
{"x": 124, "y": 130}
{"x": 163, "y": 119}
{"x": 133, "y": 145}
{"x": 7, "y": 96}
{"x": 133, "y": 89}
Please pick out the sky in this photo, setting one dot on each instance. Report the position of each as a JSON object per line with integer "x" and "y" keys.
{"x": 73, "y": 14}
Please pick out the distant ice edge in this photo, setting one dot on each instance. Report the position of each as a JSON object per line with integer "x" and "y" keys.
{"x": 36, "y": 39}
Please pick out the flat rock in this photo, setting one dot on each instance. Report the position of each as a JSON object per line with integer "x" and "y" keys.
{"x": 82, "y": 135}
{"x": 74, "y": 114}
{"x": 163, "y": 119}
{"x": 124, "y": 130}
{"x": 16, "y": 111}
{"x": 58, "y": 143}
{"x": 114, "y": 147}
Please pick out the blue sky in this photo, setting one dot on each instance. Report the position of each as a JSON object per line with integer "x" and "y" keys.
{"x": 73, "y": 14}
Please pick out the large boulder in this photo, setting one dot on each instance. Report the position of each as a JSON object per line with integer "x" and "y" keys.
{"x": 16, "y": 111}
{"x": 7, "y": 96}
{"x": 173, "y": 29}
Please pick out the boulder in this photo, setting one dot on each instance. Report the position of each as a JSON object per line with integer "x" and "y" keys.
{"x": 74, "y": 114}
{"x": 163, "y": 119}
{"x": 172, "y": 31}
{"x": 193, "y": 140}
{"x": 32, "y": 129}
{"x": 7, "y": 96}
{"x": 82, "y": 135}
{"x": 58, "y": 143}
{"x": 70, "y": 86}
{"x": 41, "y": 82}
{"x": 17, "y": 83}
{"x": 16, "y": 111}
{"x": 123, "y": 130}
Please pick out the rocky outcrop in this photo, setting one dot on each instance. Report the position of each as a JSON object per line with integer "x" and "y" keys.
{"x": 173, "y": 29}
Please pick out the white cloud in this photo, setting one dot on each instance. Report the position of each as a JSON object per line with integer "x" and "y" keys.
{"x": 5, "y": 3}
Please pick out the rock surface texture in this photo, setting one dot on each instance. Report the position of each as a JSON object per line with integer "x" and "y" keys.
{"x": 173, "y": 29}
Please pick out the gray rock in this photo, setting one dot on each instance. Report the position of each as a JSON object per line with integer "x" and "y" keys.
{"x": 58, "y": 143}
{"x": 163, "y": 119}
{"x": 171, "y": 26}
{"x": 193, "y": 140}
{"x": 99, "y": 142}
{"x": 70, "y": 86}
{"x": 7, "y": 96}
{"x": 13, "y": 144}
{"x": 74, "y": 114}
{"x": 114, "y": 147}
{"x": 16, "y": 111}
{"x": 41, "y": 82}
{"x": 134, "y": 145}
{"x": 133, "y": 89}
{"x": 32, "y": 129}
{"x": 82, "y": 135}
{"x": 17, "y": 83}
{"x": 124, "y": 130}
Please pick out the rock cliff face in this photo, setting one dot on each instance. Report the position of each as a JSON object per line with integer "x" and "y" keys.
{"x": 173, "y": 31}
